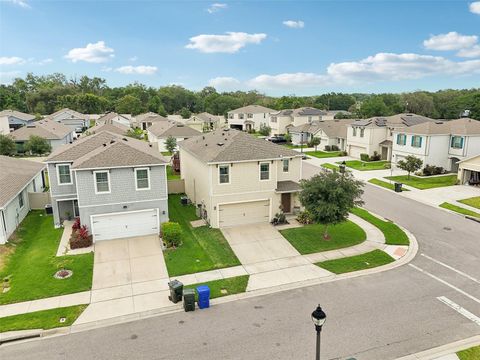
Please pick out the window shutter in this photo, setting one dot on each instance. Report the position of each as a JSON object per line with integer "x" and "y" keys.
{"x": 413, "y": 138}
{"x": 461, "y": 143}
{"x": 420, "y": 143}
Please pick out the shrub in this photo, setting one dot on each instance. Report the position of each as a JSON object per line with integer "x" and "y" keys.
{"x": 375, "y": 157}
{"x": 328, "y": 148}
{"x": 172, "y": 234}
{"x": 304, "y": 217}
{"x": 83, "y": 232}
{"x": 364, "y": 157}
{"x": 80, "y": 237}
{"x": 429, "y": 170}
{"x": 281, "y": 218}
{"x": 387, "y": 166}
{"x": 335, "y": 148}
{"x": 265, "y": 130}
{"x": 76, "y": 225}
{"x": 344, "y": 153}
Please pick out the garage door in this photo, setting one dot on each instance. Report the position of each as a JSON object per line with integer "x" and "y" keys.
{"x": 244, "y": 213}
{"x": 355, "y": 151}
{"x": 128, "y": 224}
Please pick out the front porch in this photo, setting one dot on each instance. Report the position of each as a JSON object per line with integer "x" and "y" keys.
{"x": 64, "y": 209}
{"x": 289, "y": 200}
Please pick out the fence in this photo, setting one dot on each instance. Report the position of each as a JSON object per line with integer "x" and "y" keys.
{"x": 176, "y": 186}
{"x": 38, "y": 200}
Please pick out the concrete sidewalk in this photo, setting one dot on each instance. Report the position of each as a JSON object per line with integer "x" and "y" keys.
{"x": 445, "y": 352}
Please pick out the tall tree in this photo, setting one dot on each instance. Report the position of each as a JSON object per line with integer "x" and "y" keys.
{"x": 37, "y": 145}
{"x": 7, "y": 145}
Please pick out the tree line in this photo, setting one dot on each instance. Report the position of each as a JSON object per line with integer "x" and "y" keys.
{"x": 46, "y": 94}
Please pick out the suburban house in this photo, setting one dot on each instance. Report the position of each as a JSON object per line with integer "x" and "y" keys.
{"x": 113, "y": 117}
{"x": 235, "y": 178}
{"x": 111, "y": 126}
{"x": 249, "y": 117}
{"x": 280, "y": 121}
{"x": 55, "y": 133}
{"x": 160, "y": 131}
{"x": 331, "y": 132}
{"x": 18, "y": 178}
{"x": 469, "y": 171}
{"x": 145, "y": 122}
{"x": 439, "y": 143}
{"x": 73, "y": 119}
{"x": 376, "y": 134}
{"x": 15, "y": 119}
{"x": 116, "y": 185}
{"x": 141, "y": 117}
{"x": 205, "y": 122}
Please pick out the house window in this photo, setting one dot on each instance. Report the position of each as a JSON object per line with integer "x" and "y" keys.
{"x": 102, "y": 182}
{"x": 273, "y": 119}
{"x": 309, "y": 119}
{"x": 224, "y": 174}
{"x": 21, "y": 202}
{"x": 264, "y": 171}
{"x": 416, "y": 141}
{"x": 401, "y": 139}
{"x": 354, "y": 131}
{"x": 64, "y": 174}
{"x": 240, "y": 116}
{"x": 250, "y": 116}
{"x": 457, "y": 142}
{"x": 285, "y": 163}
{"x": 362, "y": 132}
{"x": 230, "y": 116}
{"x": 142, "y": 179}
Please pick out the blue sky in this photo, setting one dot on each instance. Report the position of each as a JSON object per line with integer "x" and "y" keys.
{"x": 276, "y": 47}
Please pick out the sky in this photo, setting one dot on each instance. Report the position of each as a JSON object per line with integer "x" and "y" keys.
{"x": 275, "y": 47}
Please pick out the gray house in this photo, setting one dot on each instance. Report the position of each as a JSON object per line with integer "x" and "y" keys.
{"x": 116, "y": 185}
{"x": 16, "y": 119}
{"x": 73, "y": 119}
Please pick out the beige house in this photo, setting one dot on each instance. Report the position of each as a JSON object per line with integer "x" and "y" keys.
{"x": 281, "y": 121}
{"x": 145, "y": 122}
{"x": 111, "y": 126}
{"x": 205, "y": 122}
{"x": 469, "y": 171}
{"x": 331, "y": 133}
{"x": 235, "y": 179}
{"x": 248, "y": 118}
{"x": 160, "y": 131}
{"x": 114, "y": 118}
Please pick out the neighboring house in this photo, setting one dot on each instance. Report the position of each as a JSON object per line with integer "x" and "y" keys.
{"x": 376, "y": 134}
{"x": 249, "y": 117}
{"x": 235, "y": 178}
{"x": 113, "y": 117}
{"x": 17, "y": 178}
{"x": 439, "y": 143}
{"x": 160, "y": 131}
{"x": 73, "y": 119}
{"x": 148, "y": 121}
{"x": 205, "y": 122}
{"x": 116, "y": 185}
{"x": 15, "y": 119}
{"x": 331, "y": 132}
{"x": 113, "y": 127}
{"x": 55, "y": 133}
{"x": 177, "y": 118}
{"x": 141, "y": 117}
{"x": 280, "y": 121}
{"x": 469, "y": 171}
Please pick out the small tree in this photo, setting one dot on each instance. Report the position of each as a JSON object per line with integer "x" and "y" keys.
{"x": 265, "y": 130}
{"x": 185, "y": 113}
{"x": 7, "y": 145}
{"x": 329, "y": 196}
{"x": 288, "y": 138}
{"x": 315, "y": 142}
{"x": 171, "y": 144}
{"x": 410, "y": 164}
{"x": 37, "y": 145}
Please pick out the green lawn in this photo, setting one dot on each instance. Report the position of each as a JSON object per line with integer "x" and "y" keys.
{"x": 330, "y": 166}
{"x": 234, "y": 285}
{"x": 384, "y": 184}
{"x": 202, "y": 249}
{"x": 291, "y": 146}
{"x": 393, "y": 234}
{"x": 473, "y": 202}
{"x": 366, "y": 165}
{"x": 46, "y": 319}
{"x": 171, "y": 175}
{"x": 166, "y": 153}
{"x": 470, "y": 354}
{"x": 423, "y": 183}
{"x": 359, "y": 262}
{"x": 308, "y": 239}
{"x": 33, "y": 263}
{"x": 324, "y": 154}
{"x": 459, "y": 209}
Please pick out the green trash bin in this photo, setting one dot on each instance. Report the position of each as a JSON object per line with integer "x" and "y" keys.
{"x": 176, "y": 291}
{"x": 398, "y": 187}
{"x": 189, "y": 299}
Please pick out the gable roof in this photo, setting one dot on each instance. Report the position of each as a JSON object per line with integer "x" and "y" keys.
{"x": 152, "y": 119}
{"x": 47, "y": 129}
{"x": 303, "y": 111}
{"x": 331, "y": 128}
{"x": 463, "y": 126}
{"x": 141, "y": 117}
{"x": 113, "y": 127}
{"x": 108, "y": 118}
{"x": 72, "y": 114}
{"x": 15, "y": 175}
{"x": 104, "y": 150}
{"x": 230, "y": 145}
{"x": 396, "y": 121}
{"x": 252, "y": 109}
{"x": 172, "y": 128}
{"x": 17, "y": 114}
{"x": 205, "y": 117}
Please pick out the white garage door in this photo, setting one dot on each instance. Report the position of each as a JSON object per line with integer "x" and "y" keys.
{"x": 355, "y": 151}
{"x": 128, "y": 224}
{"x": 244, "y": 213}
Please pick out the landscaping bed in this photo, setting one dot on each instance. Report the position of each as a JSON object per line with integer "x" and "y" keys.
{"x": 202, "y": 248}
{"x": 459, "y": 209}
{"x": 367, "y": 165}
{"x": 309, "y": 239}
{"x": 423, "y": 183}
{"x": 473, "y": 202}
{"x": 358, "y": 262}
{"x": 325, "y": 154}
{"x": 224, "y": 287}
{"x": 384, "y": 184}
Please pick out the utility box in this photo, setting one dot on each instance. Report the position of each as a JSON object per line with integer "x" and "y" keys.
{"x": 189, "y": 299}
{"x": 176, "y": 291}
{"x": 48, "y": 209}
{"x": 203, "y": 292}
{"x": 398, "y": 187}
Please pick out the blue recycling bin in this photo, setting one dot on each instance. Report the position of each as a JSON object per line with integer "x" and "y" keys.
{"x": 203, "y": 292}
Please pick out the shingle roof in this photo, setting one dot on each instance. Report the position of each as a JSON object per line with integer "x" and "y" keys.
{"x": 107, "y": 118}
{"x": 230, "y": 145}
{"x": 463, "y": 126}
{"x": 47, "y": 129}
{"x": 288, "y": 186}
{"x": 396, "y": 121}
{"x": 152, "y": 119}
{"x": 172, "y": 128}
{"x": 15, "y": 175}
{"x": 207, "y": 117}
{"x": 113, "y": 127}
{"x": 73, "y": 114}
{"x": 252, "y": 109}
{"x": 332, "y": 128}
{"x": 17, "y": 114}
{"x": 303, "y": 111}
{"x": 141, "y": 117}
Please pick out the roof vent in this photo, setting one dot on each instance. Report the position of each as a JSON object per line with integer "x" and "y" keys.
{"x": 150, "y": 145}
{"x": 438, "y": 122}
{"x": 220, "y": 144}
{"x": 112, "y": 141}
{"x": 227, "y": 129}
{"x": 104, "y": 144}
{"x": 124, "y": 139}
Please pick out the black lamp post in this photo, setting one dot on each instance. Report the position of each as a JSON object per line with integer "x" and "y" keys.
{"x": 301, "y": 142}
{"x": 318, "y": 318}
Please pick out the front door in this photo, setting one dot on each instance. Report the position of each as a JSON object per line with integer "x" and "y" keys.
{"x": 384, "y": 153}
{"x": 287, "y": 202}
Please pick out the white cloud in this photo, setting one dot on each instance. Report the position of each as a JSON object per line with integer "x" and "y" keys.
{"x": 45, "y": 61}
{"x": 288, "y": 80}
{"x": 133, "y": 58}
{"x": 229, "y": 43}
{"x": 140, "y": 70}
{"x": 12, "y": 60}
{"x": 92, "y": 53}
{"x": 225, "y": 83}
{"x": 216, "y": 7}
{"x": 472, "y": 52}
{"x": 294, "y": 24}
{"x": 450, "y": 41}
{"x": 475, "y": 7}
{"x": 21, "y": 3}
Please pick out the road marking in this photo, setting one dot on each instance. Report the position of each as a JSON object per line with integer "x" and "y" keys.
{"x": 451, "y": 268}
{"x": 460, "y": 309}
{"x": 445, "y": 283}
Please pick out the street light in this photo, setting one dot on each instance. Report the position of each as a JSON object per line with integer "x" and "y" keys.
{"x": 318, "y": 318}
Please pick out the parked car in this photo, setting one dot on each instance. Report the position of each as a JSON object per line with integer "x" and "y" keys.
{"x": 276, "y": 139}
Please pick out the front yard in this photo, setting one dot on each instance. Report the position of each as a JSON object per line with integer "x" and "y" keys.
{"x": 366, "y": 165}
{"x": 224, "y": 287}
{"x": 423, "y": 183}
{"x": 330, "y": 166}
{"x": 202, "y": 248}
{"x": 470, "y": 354}
{"x": 473, "y": 202}
{"x": 384, "y": 184}
{"x": 459, "y": 209}
{"x": 355, "y": 263}
{"x": 324, "y": 154}
{"x": 30, "y": 262}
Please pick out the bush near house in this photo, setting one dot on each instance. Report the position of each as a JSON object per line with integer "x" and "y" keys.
{"x": 364, "y": 157}
{"x": 172, "y": 234}
{"x": 80, "y": 238}
{"x": 430, "y": 170}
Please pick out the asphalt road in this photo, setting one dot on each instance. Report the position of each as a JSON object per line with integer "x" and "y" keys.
{"x": 381, "y": 316}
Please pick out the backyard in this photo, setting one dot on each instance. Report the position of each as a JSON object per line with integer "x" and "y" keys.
{"x": 324, "y": 154}
{"x": 171, "y": 175}
{"x": 423, "y": 183}
{"x": 202, "y": 249}
{"x": 367, "y": 165}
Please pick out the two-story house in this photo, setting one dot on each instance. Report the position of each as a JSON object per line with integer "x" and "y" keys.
{"x": 160, "y": 131}
{"x": 235, "y": 178}
{"x": 331, "y": 132}
{"x": 439, "y": 143}
{"x": 281, "y": 121}
{"x": 248, "y": 118}
{"x": 12, "y": 119}
{"x": 116, "y": 185}
{"x": 73, "y": 119}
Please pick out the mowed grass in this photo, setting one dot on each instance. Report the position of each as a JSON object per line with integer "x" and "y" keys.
{"x": 330, "y": 166}
{"x": 384, "y": 184}
{"x": 366, "y": 165}
{"x": 358, "y": 262}
{"x": 470, "y": 354}
{"x": 230, "y": 286}
{"x": 309, "y": 239}
{"x": 473, "y": 202}
{"x": 46, "y": 319}
{"x": 171, "y": 175}
{"x": 324, "y": 154}
{"x": 423, "y": 183}
{"x": 202, "y": 248}
{"x": 459, "y": 209}
{"x": 33, "y": 263}
{"x": 393, "y": 234}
